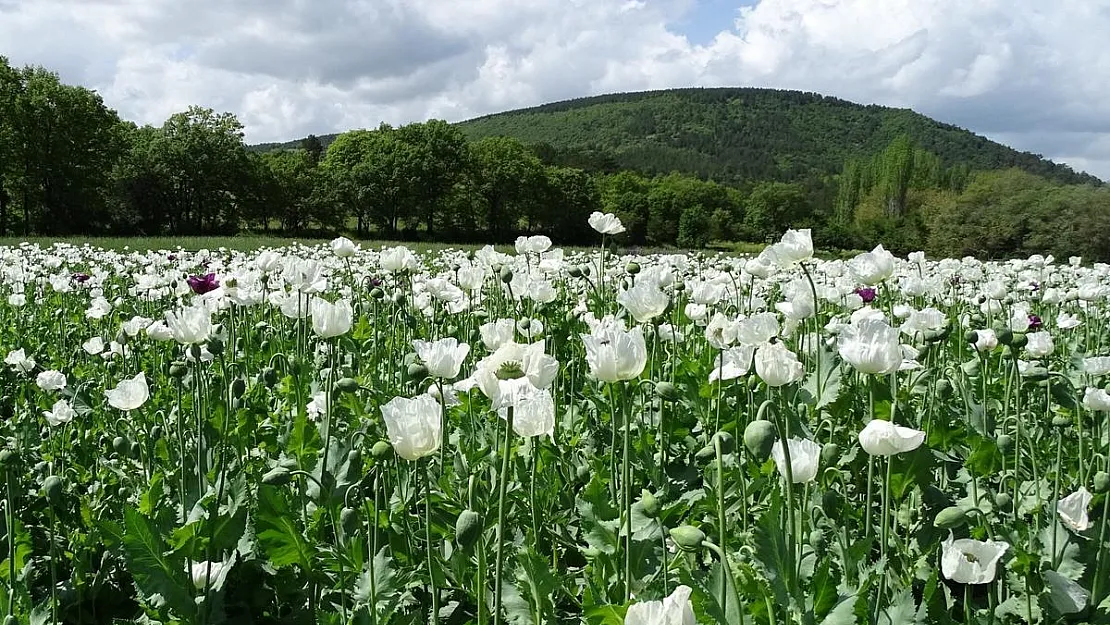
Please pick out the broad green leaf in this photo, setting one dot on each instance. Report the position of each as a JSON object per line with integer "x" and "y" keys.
{"x": 843, "y": 614}
{"x": 772, "y": 554}
{"x": 277, "y": 532}
{"x": 153, "y": 571}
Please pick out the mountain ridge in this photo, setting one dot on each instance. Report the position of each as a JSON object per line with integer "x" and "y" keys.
{"x": 737, "y": 134}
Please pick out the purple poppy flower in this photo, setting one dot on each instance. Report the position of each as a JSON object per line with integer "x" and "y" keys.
{"x": 867, "y": 294}
{"x": 203, "y": 284}
{"x": 171, "y": 257}
{"x": 1035, "y": 322}
{"x": 80, "y": 278}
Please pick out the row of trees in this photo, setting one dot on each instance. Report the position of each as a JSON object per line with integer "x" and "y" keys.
{"x": 70, "y": 165}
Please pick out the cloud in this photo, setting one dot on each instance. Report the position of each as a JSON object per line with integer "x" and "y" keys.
{"x": 1021, "y": 71}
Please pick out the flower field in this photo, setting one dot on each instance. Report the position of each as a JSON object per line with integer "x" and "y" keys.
{"x": 341, "y": 435}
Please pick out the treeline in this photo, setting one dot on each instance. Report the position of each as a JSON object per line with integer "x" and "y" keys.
{"x": 70, "y": 166}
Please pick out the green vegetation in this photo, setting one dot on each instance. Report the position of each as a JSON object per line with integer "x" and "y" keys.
{"x": 688, "y": 168}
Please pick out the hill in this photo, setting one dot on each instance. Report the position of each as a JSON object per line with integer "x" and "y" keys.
{"x": 735, "y": 135}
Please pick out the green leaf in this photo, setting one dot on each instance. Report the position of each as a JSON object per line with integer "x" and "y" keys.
{"x": 843, "y": 614}
{"x": 771, "y": 552}
{"x": 276, "y": 531}
{"x": 517, "y": 610}
{"x": 902, "y": 611}
{"x": 535, "y": 577}
{"x": 154, "y": 573}
{"x": 822, "y": 594}
{"x": 383, "y": 588}
{"x": 153, "y": 496}
{"x": 605, "y": 615}
{"x": 910, "y": 469}
{"x": 23, "y": 551}
{"x": 1067, "y": 596}
{"x": 1028, "y": 610}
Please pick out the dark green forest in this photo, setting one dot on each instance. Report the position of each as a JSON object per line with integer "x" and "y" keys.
{"x": 686, "y": 168}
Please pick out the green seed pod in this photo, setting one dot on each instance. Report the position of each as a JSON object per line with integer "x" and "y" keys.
{"x": 705, "y": 453}
{"x": 506, "y": 275}
{"x": 178, "y": 370}
{"x": 831, "y": 503}
{"x": 1102, "y": 482}
{"x": 574, "y": 272}
{"x": 290, "y": 464}
{"x": 1020, "y": 340}
{"x": 1005, "y": 336}
{"x": 468, "y": 529}
{"x": 121, "y": 445}
{"x": 944, "y": 388}
{"x": 688, "y": 537}
{"x": 238, "y": 387}
{"x": 417, "y": 371}
{"x": 817, "y": 540}
{"x": 52, "y": 487}
{"x": 1004, "y": 441}
{"x": 971, "y": 336}
{"x": 632, "y": 268}
{"x": 759, "y": 438}
{"x": 666, "y": 391}
{"x": 215, "y": 346}
{"x": 377, "y": 293}
{"x": 347, "y": 385}
{"x": 277, "y": 476}
{"x": 1002, "y": 501}
{"x": 381, "y": 449}
{"x": 649, "y": 504}
{"x": 950, "y": 518}
{"x": 830, "y": 454}
{"x": 348, "y": 519}
{"x": 269, "y": 376}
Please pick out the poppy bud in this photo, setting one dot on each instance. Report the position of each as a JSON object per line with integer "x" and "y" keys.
{"x": 348, "y": 520}
{"x": 121, "y": 445}
{"x": 52, "y": 488}
{"x": 347, "y": 385}
{"x": 666, "y": 391}
{"x": 950, "y": 518}
{"x": 278, "y": 476}
{"x": 178, "y": 370}
{"x": 1002, "y": 501}
{"x": 759, "y": 438}
{"x": 1102, "y": 482}
{"x": 649, "y": 504}
{"x": 381, "y": 449}
{"x": 468, "y": 528}
{"x": 1004, "y": 441}
{"x": 688, "y": 537}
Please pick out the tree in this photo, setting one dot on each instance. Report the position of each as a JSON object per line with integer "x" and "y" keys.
{"x": 439, "y": 153}
{"x": 773, "y": 207}
{"x": 508, "y": 179}
{"x": 375, "y": 170}
{"x": 313, "y": 148}
{"x": 570, "y": 196}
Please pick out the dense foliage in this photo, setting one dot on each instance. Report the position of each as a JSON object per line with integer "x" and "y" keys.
{"x": 682, "y": 168}
{"x": 350, "y": 436}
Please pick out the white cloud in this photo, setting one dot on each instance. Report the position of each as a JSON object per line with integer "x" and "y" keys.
{"x": 1025, "y": 72}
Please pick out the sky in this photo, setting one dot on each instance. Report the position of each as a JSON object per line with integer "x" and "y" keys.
{"x": 1029, "y": 73}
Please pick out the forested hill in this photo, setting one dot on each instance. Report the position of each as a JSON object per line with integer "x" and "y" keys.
{"x": 736, "y": 135}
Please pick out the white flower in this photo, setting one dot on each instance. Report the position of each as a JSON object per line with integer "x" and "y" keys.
{"x": 398, "y": 260}
{"x": 443, "y": 358}
{"x": 136, "y": 324}
{"x": 732, "y": 363}
{"x": 1073, "y": 510}
{"x": 883, "y": 438}
{"x": 673, "y": 610}
{"x": 872, "y": 267}
{"x": 805, "y": 456}
{"x": 60, "y": 414}
{"x": 1096, "y": 399}
{"x": 606, "y": 223}
{"x": 777, "y": 366}
{"x": 343, "y": 247}
{"x": 93, "y": 346}
{"x": 19, "y": 361}
{"x": 796, "y": 246}
{"x": 414, "y": 425}
{"x": 1096, "y": 365}
{"x": 157, "y": 331}
{"x": 968, "y": 561}
{"x": 985, "y": 340}
{"x": 1039, "y": 345}
{"x": 644, "y": 301}
{"x": 1064, "y": 321}
{"x": 189, "y": 326}
{"x": 871, "y": 346}
{"x": 51, "y": 380}
{"x": 330, "y": 320}
{"x": 534, "y": 414}
{"x": 613, "y": 354}
{"x": 510, "y": 372}
{"x": 497, "y": 333}
{"x": 202, "y": 572}
{"x": 534, "y": 244}
{"x": 129, "y": 394}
